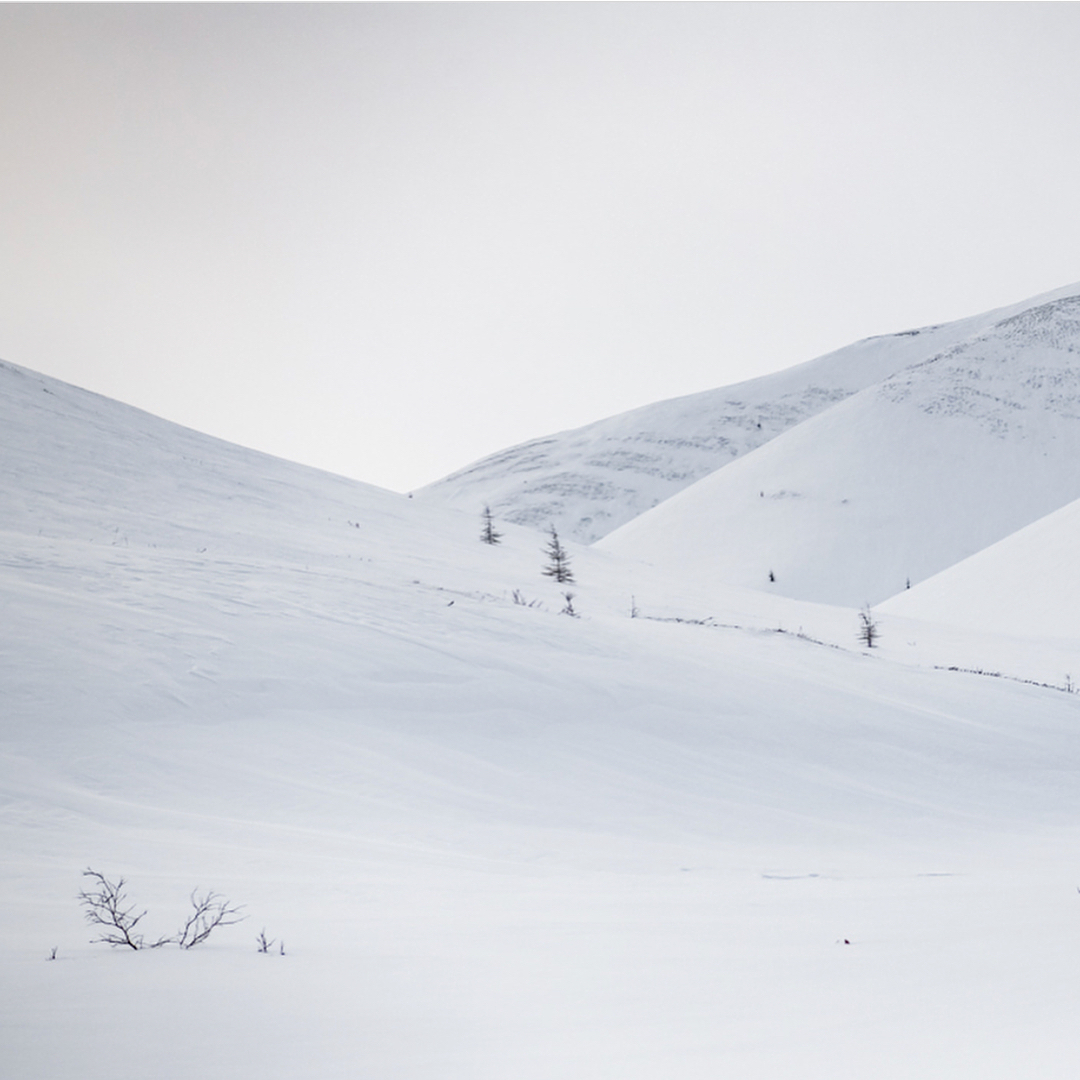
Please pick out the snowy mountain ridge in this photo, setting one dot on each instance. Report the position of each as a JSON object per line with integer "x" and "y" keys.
{"x": 591, "y": 480}
{"x": 898, "y": 481}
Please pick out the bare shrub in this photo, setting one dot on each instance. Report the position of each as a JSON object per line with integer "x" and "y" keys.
{"x": 106, "y": 906}
{"x": 210, "y": 911}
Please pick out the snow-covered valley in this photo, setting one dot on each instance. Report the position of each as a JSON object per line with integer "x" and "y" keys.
{"x": 720, "y": 838}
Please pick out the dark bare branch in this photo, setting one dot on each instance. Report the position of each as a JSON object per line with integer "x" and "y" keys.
{"x": 106, "y": 906}
{"x": 209, "y": 911}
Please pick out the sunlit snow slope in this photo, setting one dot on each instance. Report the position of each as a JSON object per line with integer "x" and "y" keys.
{"x": 895, "y": 483}
{"x": 496, "y": 841}
{"x": 589, "y": 481}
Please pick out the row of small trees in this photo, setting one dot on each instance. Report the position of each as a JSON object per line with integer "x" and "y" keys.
{"x": 558, "y": 567}
{"x": 558, "y": 564}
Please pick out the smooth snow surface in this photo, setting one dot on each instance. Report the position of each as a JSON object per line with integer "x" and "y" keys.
{"x": 895, "y": 483}
{"x": 498, "y": 842}
{"x": 589, "y": 481}
{"x": 1026, "y": 585}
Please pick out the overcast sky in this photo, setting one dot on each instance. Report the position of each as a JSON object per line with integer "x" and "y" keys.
{"x": 388, "y": 239}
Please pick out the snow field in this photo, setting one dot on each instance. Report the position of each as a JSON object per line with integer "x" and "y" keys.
{"x": 497, "y": 842}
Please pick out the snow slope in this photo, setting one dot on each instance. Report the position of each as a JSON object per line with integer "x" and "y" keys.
{"x": 1025, "y": 585}
{"x": 895, "y": 483}
{"x": 497, "y": 841}
{"x": 589, "y": 481}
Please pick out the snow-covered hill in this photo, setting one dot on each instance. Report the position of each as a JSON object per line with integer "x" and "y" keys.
{"x": 895, "y": 483}
{"x": 589, "y": 481}
{"x": 497, "y": 841}
{"x": 1027, "y": 585}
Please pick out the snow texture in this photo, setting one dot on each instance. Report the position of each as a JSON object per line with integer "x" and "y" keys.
{"x": 589, "y": 481}
{"x": 1026, "y": 585}
{"x": 896, "y": 482}
{"x": 715, "y": 839}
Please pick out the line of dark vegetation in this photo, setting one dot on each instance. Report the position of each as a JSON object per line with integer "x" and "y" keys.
{"x": 713, "y": 624}
{"x": 1068, "y": 688}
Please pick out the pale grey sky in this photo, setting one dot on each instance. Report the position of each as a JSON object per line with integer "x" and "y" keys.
{"x": 388, "y": 239}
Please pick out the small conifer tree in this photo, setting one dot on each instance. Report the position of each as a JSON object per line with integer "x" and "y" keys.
{"x": 868, "y": 628}
{"x": 488, "y": 533}
{"x": 558, "y": 566}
